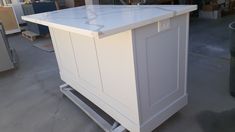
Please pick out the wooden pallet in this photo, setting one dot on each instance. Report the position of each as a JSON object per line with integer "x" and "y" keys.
{"x": 30, "y": 35}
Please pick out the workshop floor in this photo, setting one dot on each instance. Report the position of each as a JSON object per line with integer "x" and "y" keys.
{"x": 30, "y": 100}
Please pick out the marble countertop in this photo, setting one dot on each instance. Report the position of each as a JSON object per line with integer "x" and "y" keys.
{"x": 104, "y": 20}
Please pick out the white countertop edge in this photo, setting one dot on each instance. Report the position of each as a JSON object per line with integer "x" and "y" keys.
{"x": 63, "y": 27}
{"x": 133, "y": 26}
{"x": 99, "y": 35}
{"x": 113, "y": 31}
{"x": 190, "y": 9}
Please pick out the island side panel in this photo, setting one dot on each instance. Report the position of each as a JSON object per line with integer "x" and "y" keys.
{"x": 161, "y": 63}
{"x": 62, "y": 59}
{"x": 102, "y": 70}
{"x": 86, "y": 62}
{"x": 116, "y": 62}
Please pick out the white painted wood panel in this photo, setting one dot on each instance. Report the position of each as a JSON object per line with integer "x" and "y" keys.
{"x": 115, "y": 55}
{"x": 86, "y": 61}
{"x": 162, "y": 64}
{"x": 65, "y": 53}
{"x": 161, "y": 72}
{"x": 56, "y": 49}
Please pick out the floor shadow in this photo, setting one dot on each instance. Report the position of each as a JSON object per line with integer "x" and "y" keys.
{"x": 217, "y": 122}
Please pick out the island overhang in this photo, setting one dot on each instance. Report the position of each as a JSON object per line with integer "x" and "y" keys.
{"x": 104, "y": 20}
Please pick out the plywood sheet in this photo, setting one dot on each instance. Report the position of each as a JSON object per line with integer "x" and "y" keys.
{"x": 7, "y": 17}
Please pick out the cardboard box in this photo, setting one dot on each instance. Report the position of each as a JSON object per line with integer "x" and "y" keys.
{"x": 8, "y": 18}
{"x": 210, "y": 7}
{"x": 232, "y": 4}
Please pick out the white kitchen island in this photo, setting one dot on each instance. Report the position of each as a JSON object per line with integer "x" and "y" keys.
{"x": 131, "y": 61}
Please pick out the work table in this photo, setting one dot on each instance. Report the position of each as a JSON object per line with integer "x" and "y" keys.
{"x": 104, "y": 20}
{"x": 130, "y": 61}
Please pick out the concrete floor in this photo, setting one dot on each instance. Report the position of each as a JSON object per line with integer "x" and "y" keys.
{"x": 30, "y": 100}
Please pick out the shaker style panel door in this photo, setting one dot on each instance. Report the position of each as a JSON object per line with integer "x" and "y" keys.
{"x": 161, "y": 59}
{"x": 87, "y": 63}
{"x": 65, "y": 53}
{"x": 115, "y": 55}
{"x": 77, "y": 59}
{"x": 162, "y": 65}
